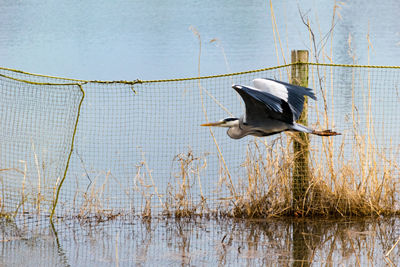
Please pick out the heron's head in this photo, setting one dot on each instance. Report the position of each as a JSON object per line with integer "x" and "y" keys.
{"x": 228, "y": 122}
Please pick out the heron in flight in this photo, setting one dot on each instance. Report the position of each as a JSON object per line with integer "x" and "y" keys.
{"x": 271, "y": 107}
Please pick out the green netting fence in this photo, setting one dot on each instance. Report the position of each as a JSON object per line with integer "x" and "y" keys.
{"x": 111, "y": 148}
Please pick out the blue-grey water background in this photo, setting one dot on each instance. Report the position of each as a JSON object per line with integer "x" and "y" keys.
{"x": 126, "y": 40}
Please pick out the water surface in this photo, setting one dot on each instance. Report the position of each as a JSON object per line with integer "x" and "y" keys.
{"x": 125, "y": 40}
{"x": 202, "y": 242}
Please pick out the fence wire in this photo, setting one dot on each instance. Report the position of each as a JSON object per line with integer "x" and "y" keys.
{"x": 37, "y": 126}
{"x": 138, "y": 147}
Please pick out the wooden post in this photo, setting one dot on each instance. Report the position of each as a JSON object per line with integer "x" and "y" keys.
{"x": 301, "y": 173}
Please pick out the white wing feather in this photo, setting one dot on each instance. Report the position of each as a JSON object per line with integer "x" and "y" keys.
{"x": 272, "y": 87}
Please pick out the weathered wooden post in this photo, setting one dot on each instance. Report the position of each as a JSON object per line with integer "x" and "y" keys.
{"x": 301, "y": 173}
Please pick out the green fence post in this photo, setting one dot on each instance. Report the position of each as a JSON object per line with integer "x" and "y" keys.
{"x": 301, "y": 173}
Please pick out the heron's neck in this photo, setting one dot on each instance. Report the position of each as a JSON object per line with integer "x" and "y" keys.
{"x": 235, "y": 131}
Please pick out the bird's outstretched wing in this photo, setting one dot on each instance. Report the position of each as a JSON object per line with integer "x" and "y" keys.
{"x": 292, "y": 94}
{"x": 261, "y": 105}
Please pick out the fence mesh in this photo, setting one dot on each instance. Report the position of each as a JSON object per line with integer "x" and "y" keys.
{"x": 139, "y": 147}
{"x": 37, "y": 127}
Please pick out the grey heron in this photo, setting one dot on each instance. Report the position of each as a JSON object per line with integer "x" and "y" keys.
{"x": 271, "y": 107}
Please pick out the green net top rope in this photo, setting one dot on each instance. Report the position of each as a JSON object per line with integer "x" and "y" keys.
{"x": 195, "y": 78}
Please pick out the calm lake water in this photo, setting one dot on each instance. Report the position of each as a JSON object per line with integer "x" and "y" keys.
{"x": 202, "y": 242}
{"x": 126, "y": 40}
{"x": 130, "y": 39}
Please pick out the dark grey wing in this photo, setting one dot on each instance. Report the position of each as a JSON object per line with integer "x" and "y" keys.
{"x": 262, "y": 105}
{"x": 296, "y": 97}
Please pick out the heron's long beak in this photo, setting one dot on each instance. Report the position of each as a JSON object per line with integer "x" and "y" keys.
{"x": 218, "y": 123}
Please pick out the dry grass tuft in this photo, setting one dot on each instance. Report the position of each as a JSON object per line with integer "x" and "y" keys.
{"x": 351, "y": 188}
{"x": 180, "y": 201}
{"x": 267, "y": 189}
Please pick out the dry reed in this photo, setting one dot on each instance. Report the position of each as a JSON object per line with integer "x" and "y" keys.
{"x": 363, "y": 184}
{"x": 180, "y": 201}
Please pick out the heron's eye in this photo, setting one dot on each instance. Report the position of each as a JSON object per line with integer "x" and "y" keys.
{"x": 230, "y": 119}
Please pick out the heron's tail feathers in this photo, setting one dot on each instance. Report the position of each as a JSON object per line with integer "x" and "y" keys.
{"x": 301, "y": 128}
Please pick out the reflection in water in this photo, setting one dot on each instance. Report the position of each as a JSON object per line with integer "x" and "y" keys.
{"x": 289, "y": 242}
